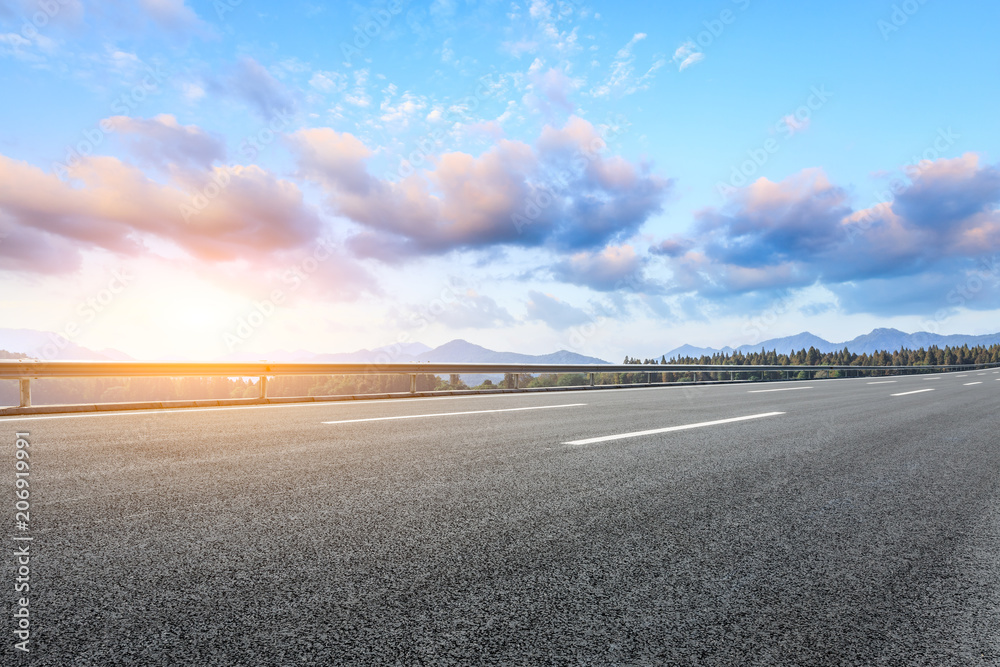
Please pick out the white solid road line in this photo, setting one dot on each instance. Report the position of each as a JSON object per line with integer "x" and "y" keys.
{"x": 304, "y": 404}
{"x": 636, "y": 434}
{"x": 918, "y": 391}
{"x": 969, "y": 384}
{"x": 883, "y": 382}
{"x": 167, "y": 411}
{"x": 452, "y": 414}
{"x": 764, "y": 391}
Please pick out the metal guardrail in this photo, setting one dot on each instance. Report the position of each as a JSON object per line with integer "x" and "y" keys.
{"x": 24, "y": 371}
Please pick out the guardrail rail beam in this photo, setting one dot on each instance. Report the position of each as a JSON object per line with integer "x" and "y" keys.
{"x": 24, "y": 371}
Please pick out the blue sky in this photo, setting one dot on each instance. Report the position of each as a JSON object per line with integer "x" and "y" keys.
{"x": 211, "y": 178}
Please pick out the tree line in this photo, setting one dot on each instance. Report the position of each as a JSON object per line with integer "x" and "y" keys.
{"x": 812, "y": 357}
{"x": 932, "y": 356}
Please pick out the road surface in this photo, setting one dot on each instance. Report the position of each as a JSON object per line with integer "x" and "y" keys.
{"x": 831, "y": 522}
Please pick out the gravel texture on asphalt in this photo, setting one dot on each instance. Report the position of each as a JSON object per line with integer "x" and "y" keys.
{"x": 857, "y": 528}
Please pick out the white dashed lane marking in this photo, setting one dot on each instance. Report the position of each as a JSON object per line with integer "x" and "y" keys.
{"x": 636, "y": 434}
{"x": 454, "y": 414}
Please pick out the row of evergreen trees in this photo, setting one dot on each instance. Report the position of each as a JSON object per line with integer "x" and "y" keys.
{"x": 812, "y": 357}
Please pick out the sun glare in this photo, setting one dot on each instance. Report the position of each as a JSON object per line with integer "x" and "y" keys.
{"x": 201, "y": 311}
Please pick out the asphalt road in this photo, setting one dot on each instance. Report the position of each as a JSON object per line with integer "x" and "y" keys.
{"x": 852, "y": 527}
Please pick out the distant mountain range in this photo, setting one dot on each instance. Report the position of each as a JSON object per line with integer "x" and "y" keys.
{"x": 878, "y": 340}
{"x": 47, "y": 345}
{"x": 459, "y": 351}
{"x": 456, "y": 351}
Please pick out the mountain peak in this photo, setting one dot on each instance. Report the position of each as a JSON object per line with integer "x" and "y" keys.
{"x": 455, "y": 342}
{"x": 462, "y": 351}
{"x": 882, "y": 339}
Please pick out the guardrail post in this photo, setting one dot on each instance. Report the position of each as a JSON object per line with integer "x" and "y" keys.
{"x": 515, "y": 380}
{"x": 413, "y": 383}
{"x": 262, "y": 384}
{"x": 592, "y": 379}
{"x": 25, "y": 384}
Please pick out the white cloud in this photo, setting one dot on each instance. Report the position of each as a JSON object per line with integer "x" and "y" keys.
{"x": 192, "y": 91}
{"x": 549, "y": 88}
{"x": 691, "y": 60}
{"x": 544, "y": 30}
{"x": 26, "y": 50}
{"x": 174, "y": 15}
{"x": 401, "y": 112}
{"x": 687, "y": 54}
{"x": 328, "y": 82}
{"x": 554, "y": 312}
{"x": 12, "y": 44}
{"x": 622, "y": 79}
{"x": 359, "y": 96}
{"x": 683, "y": 50}
{"x": 447, "y": 53}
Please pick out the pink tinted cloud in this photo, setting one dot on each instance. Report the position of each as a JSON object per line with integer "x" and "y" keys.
{"x": 561, "y": 192}
{"x": 946, "y": 192}
{"x": 173, "y": 15}
{"x": 332, "y": 157}
{"x": 162, "y": 140}
{"x": 115, "y": 206}
{"x": 776, "y": 235}
{"x": 614, "y": 268}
